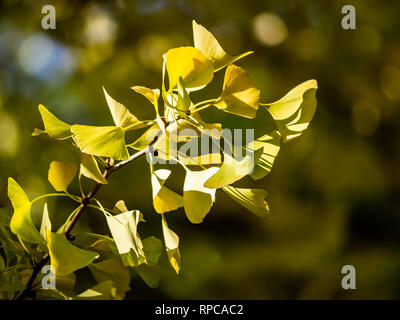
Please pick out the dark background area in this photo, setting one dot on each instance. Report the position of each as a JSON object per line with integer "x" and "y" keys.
{"x": 333, "y": 192}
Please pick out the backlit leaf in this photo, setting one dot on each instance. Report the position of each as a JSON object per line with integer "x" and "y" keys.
{"x": 46, "y": 224}
{"x": 101, "y": 141}
{"x": 101, "y": 291}
{"x": 239, "y": 95}
{"x": 197, "y": 199}
{"x": 267, "y": 148}
{"x": 61, "y": 174}
{"x": 152, "y": 249}
{"x": 64, "y": 256}
{"x": 54, "y": 127}
{"x": 295, "y": 110}
{"x": 231, "y": 171}
{"x": 121, "y": 115}
{"x": 191, "y": 65}
{"x": 251, "y": 199}
{"x": 150, "y": 94}
{"x": 164, "y": 199}
{"x": 21, "y": 222}
{"x": 90, "y": 169}
{"x": 210, "y": 47}
{"x": 171, "y": 240}
{"x": 123, "y": 229}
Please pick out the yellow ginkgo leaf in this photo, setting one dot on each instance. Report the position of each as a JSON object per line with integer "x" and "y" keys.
{"x": 54, "y": 127}
{"x": 61, "y": 174}
{"x": 101, "y": 141}
{"x": 295, "y": 110}
{"x": 251, "y": 199}
{"x": 90, "y": 169}
{"x": 231, "y": 171}
{"x": 164, "y": 199}
{"x": 239, "y": 95}
{"x": 150, "y": 94}
{"x": 21, "y": 222}
{"x": 46, "y": 224}
{"x": 197, "y": 199}
{"x": 121, "y": 115}
{"x": 266, "y": 148}
{"x": 64, "y": 256}
{"x": 171, "y": 240}
{"x": 189, "y": 64}
{"x": 210, "y": 47}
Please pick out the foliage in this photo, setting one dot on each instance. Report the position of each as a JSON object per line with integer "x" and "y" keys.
{"x": 111, "y": 258}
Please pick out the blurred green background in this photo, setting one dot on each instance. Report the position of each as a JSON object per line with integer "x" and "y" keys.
{"x": 333, "y": 192}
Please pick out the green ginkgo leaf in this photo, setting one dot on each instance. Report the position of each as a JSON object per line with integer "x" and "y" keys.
{"x": 164, "y": 199}
{"x": 121, "y": 115}
{"x": 152, "y": 249}
{"x": 210, "y": 47}
{"x": 295, "y": 110}
{"x": 54, "y": 127}
{"x": 230, "y": 171}
{"x": 61, "y": 174}
{"x": 106, "y": 141}
{"x": 101, "y": 291}
{"x": 64, "y": 256}
{"x": 123, "y": 229}
{"x": 197, "y": 199}
{"x": 267, "y": 148}
{"x": 46, "y": 224}
{"x": 21, "y": 222}
{"x": 171, "y": 241}
{"x": 184, "y": 101}
{"x": 239, "y": 95}
{"x": 112, "y": 269}
{"x": 251, "y": 199}
{"x": 149, "y": 274}
{"x": 189, "y": 64}
{"x": 146, "y": 138}
{"x": 90, "y": 169}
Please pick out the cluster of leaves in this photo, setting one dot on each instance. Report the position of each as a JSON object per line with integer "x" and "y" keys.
{"x": 111, "y": 258}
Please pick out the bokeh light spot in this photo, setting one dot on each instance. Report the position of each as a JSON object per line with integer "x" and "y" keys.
{"x": 269, "y": 29}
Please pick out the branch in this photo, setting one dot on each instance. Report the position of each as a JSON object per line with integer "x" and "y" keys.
{"x": 84, "y": 203}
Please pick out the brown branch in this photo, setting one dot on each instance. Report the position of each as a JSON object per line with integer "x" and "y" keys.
{"x": 84, "y": 203}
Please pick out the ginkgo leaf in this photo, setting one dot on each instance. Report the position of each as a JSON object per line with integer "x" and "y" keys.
{"x": 123, "y": 229}
{"x": 230, "y": 171}
{"x": 295, "y": 110}
{"x": 61, "y": 174}
{"x": 112, "y": 269}
{"x": 54, "y": 127}
{"x": 189, "y": 64}
{"x": 184, "y": 101}
{"x": 150, "y": 94}
{"x": 197, "y": 199}
{"x": 152, "y": 249}
{"x": 90, "y": 169}
{"x": 149, "y": 273}
{"x": 171, "y": 241}
{"x": 251, "y": 199}
{"x": 164, "y": 199}
{"x": 267, "y": 148}
{"x": 213, "y": 130}
{"x": 101, "y": 141}
{"x": 21, "y": 222}
{"x": 121, "y": 115}
{"x": 206, "y": 43}
{"x": 64, "y": 256}
{"x": 239, "y": 95}
{"x": 46, "y": 224}
{"x": 201, "y": 160}
{"x": 101, "y": 291}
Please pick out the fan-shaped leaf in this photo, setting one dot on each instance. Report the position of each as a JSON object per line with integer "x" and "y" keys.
{"x": 61, "y": 174}
{"x": 164, "y": 199}
{"x": 21, "y": 222}
{"x": 90, "y": 169}
{"x": 171, "y": 240}
{"x": 101, "y": 141}
{"x": 239, "y": 95}
{"x": 189, "y": 64}
{"x": 251, "y": 199}
{"x": 295, "y": 110}
{"x": 210, "y": 47}
{"x": 64, "y": 256}
{"x": 54, "y": 127}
